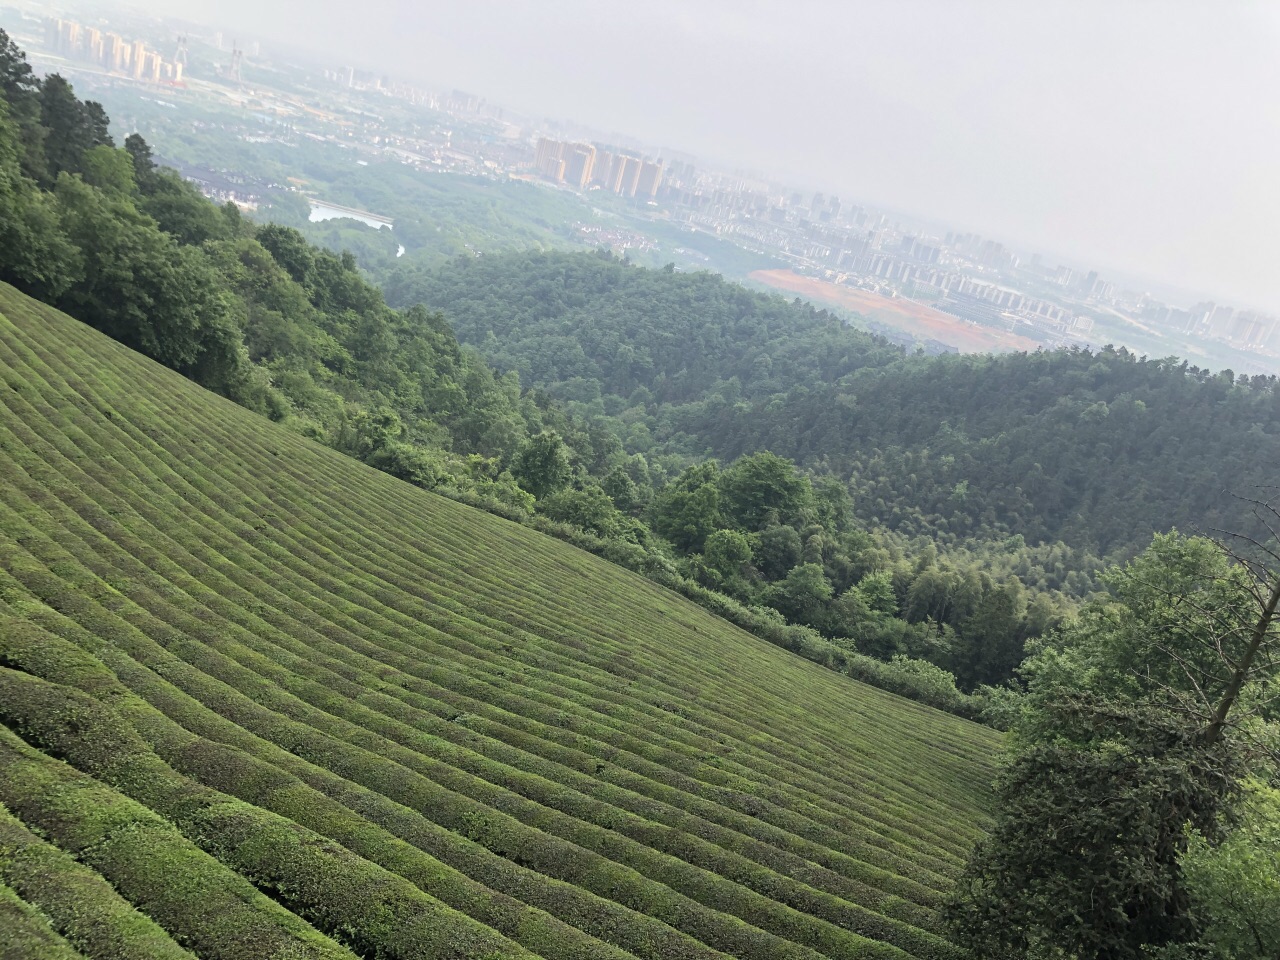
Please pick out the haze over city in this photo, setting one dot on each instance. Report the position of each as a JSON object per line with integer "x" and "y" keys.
{"x": 1142, "y": 136}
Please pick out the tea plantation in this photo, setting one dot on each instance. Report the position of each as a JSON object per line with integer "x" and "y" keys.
{"x": 260, "y": 701}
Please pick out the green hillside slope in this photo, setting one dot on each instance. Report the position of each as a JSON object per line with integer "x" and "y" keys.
{"x": 258, "y": 700}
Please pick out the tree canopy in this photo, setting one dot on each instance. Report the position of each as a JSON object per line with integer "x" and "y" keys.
{"x": 1113, "y": 833}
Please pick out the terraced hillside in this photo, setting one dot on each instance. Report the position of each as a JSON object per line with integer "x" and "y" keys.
{"x": 259, "y": 701}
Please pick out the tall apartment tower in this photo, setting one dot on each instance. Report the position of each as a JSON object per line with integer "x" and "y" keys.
{"x": 139, "y": 59}
{"x": 602, "y": 172}
{"x": 94, "y": 46}
{"x": 116, "y": 54}
{"x": 626, "y": 175}
{"x": 550, "y": 159}
{"x": 68, "y": 37}
{"x": 579, "y": 162}
{"x": 650, "y": 180}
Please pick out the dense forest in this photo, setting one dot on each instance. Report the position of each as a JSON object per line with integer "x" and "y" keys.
{"x": 1095, "y": 450}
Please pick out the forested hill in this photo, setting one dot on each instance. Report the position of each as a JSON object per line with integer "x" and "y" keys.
{"x": 582, "y": 325}
{"x": 1098, "y": 450}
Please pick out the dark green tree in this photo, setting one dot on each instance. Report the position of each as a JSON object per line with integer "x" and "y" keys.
{"x": 543, "y": 466}
{"x": 778, "y": 548}
{"x": 993, "y": 638}
{"x": 72, "y": 127}
{"x": 1128, "y": 746}
{"x": 35, "y": 256}
{"x": 802, "y": 596}
{"x": 141, "y": 287}
{"x": 144, "y": 165}
{"x": 291, "y": 251}
{"x": 622, "y": 490}
{"x": 1083, "y": 859}
{"x": 180, "y": 209}
{"x": 20, "y": 89}
{"x": 589, "y": 509}
{"x": 687, "y": 511}
{"x": 760, "y": 484}
{"x": 726, "y": 564}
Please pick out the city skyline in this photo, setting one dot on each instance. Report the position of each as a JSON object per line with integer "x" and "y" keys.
{"x": 1140, "y": 135}
{"x": 561, "y": 153}
{"x": 109, "y": 50}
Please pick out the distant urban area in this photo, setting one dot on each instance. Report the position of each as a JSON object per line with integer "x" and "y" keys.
{"x": 934, "y": 283}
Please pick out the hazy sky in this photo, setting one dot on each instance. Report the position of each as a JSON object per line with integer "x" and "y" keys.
{"x": 1144, "y": 136}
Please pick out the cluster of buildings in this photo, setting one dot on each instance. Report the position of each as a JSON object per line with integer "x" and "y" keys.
{"x": 1241, "y": 328}
{"x": 584, "y": 166}
{"x": 355, "y": 79}
{"x": 111, "y": 52}
{"x": 964, "y": 275}
{"x": 614, "y": 238}
{"x": 992, "y": 304}
{"x": 950, "y": 275}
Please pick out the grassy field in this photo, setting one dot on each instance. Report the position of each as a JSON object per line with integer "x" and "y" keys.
{"x": 259, "y": 701}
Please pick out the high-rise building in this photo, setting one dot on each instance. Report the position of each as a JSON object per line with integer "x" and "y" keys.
{"x": 626, "y": 175}
{"x": 614, "y": 183}
{"x": 549, "y": 159}
{"x": 1252, "y": 328}
{"x": 1220, "y": 321}
{"x": 109, "y": 50}
{"x": 93, "y": 45}
{"x": 579, "y": 161}
{"x": 1201, "y": 314}
{"x": 602, "y": 171}
{"x": 116, "y": 53}
{"x": 650, "y": 180}
{"x": 139, "y": 59}
{"x": 68, "y": 37}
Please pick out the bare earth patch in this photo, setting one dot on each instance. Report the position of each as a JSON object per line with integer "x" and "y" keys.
{"x": 917, "y": 319}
